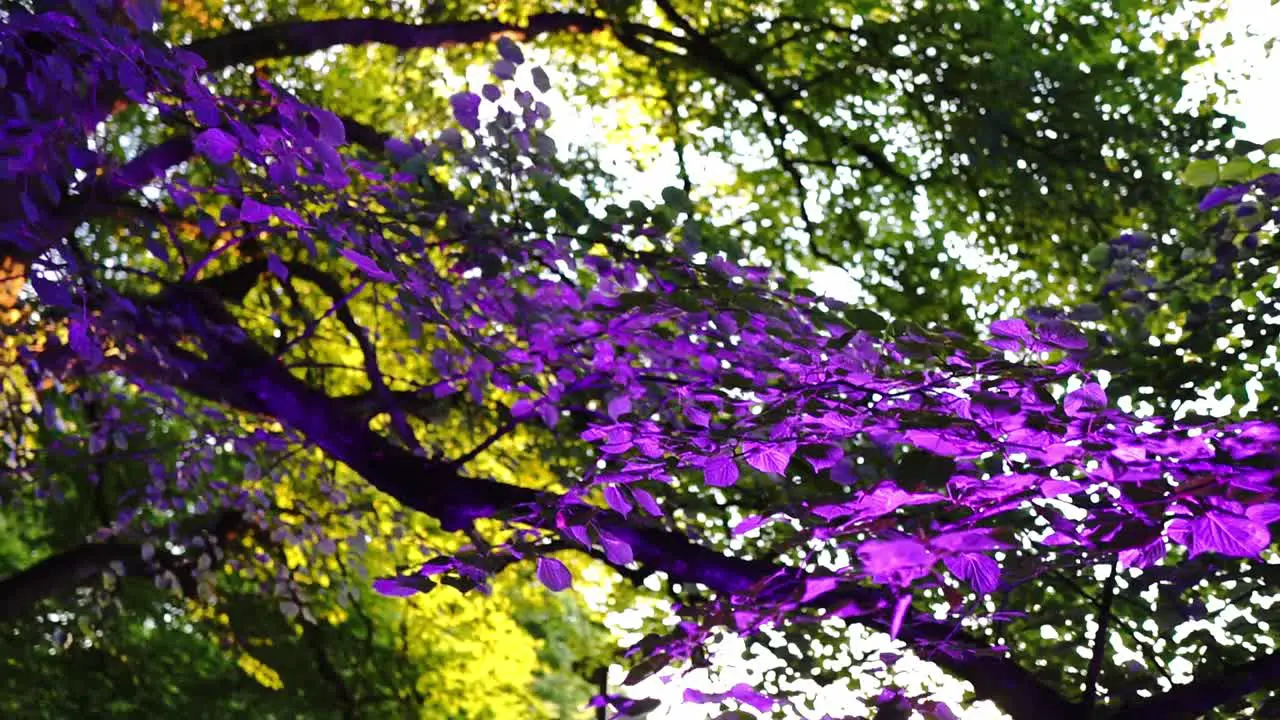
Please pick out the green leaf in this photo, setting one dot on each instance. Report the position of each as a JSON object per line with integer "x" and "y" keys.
{"x": 635, "y": 299}
{"x": 1201, "y": 173}
{"x": 1100, "y": 255}
{"x": 862, "y": 319}
{"x": 686, "y": 301}
{"x": 1244, "y": 147}
{"x": 676, "y": 198}
{"x": 1237, "y": 169}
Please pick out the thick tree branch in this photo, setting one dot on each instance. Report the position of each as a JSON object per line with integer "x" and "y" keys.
{"x": 1194, "y": 699}
{"x": 58, "y": 575}
{"x": 63, "y": 572}
{"x": 304, "y": 37}
{"x": 235, "y": 284}
{"x": 239, "y": 374}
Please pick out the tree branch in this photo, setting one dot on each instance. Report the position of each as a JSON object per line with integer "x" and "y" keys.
{"x": 238, "y": 373}
{"x": 59, "y": 574}
{"x": 1090, "y": 697}
{"x": 304, "y": 37}
{"x": 1194, "y": 699}
{"x": 63, "y": 572}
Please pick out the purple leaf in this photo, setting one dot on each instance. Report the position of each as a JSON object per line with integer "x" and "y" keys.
{"x": 503, "y": 69}
{"x": 1088, "y": 312}
{"x": 813, "y": 587}
{"x": 720, "y": 471}
{"x": 332, "y": 130}
{"x": 51, "y": 292}
{"x": 843, "y": 473}
{"x": 522, "y": 408}
{"x": 1088, "y": 400}
{"x": 935, "y": 710}
{"x": 367, "y": 266}
{"x": 466, "y": 109}
{"x": 1222, "y": 196}
{"x": 1009, "y": 334}
{"x": 1059, "y": 539}
{"x": 895, "y": 562}
{"x": 1062, "y": 334}
{"x": 992, "y": 407}
{"x": 618, "y": 552}
{"x": 392, "y": 588}
{"x": 540, "y": 79}
{"x": 29, "y": 209}
{"x": 966, "y": 541}
{"x": 509, "y": 50}
{"x": 620, "y": 405}
{"x": 1221, "y": 533}
{"x": 82, "y": 344}
{"x": 288, "y": 216}
{"x": 399, "y": 149}
{"x": 133, "y": 82}
{"x": 885, "y": 498}
{"x": 980, "y": 571}
{"x": 646, "y": 501}
{"x": 697, "y": 415}
{"x": 831, "y": 455}
{"x": 744, "y": 693}
{"x": 751, "y": 523}
{"x": 216, "y": 145}
{"x": 1263, "y": 513}
{"x": 741, "y": 692}
{"x": 143, "y": 13}
{"x": 770, "y": 457}
{"x": 579, "y": 534}
{"x": 252, "y": 211}
{"x": 277, "y": 267}
{"x": 1144, "y": 556}
{"x": 618, "y": 440}
{"x": 1054, "y": 488}
{"x": 554, "y": 574}
{"x": 616, "y": 498}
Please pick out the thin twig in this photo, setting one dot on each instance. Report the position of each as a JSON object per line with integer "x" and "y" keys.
{"x": 1089, "y": 700}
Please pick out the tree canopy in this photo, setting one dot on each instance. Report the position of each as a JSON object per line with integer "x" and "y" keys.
{"x": 299, "y": 337}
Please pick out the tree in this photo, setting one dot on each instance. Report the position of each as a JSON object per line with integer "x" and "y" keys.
{"x": 665, "y": 379}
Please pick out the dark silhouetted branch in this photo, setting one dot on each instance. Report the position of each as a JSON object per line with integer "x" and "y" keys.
{"x": 237, "y": 373}
{"x": 63, "y": 572}
{"x": 59, "y": 574}
{"x": 1089, "y": 699}
{"x": 304, "y": 37}
{"x": 1194, "y": 699}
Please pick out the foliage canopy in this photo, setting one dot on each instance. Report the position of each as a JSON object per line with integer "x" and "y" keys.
{"x": 266, "y": 350}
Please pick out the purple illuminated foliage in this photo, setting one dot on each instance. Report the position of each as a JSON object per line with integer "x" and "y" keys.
{"x": 684, "y": 376}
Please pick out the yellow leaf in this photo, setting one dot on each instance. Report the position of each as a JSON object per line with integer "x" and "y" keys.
{"x": 256, "y": 669}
